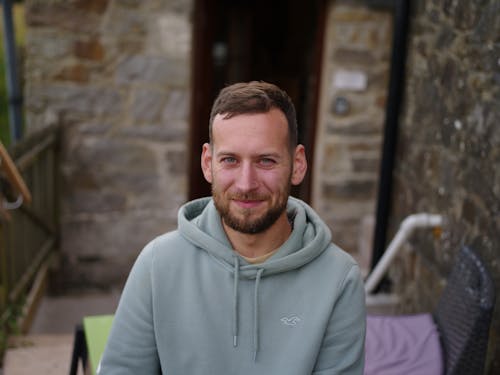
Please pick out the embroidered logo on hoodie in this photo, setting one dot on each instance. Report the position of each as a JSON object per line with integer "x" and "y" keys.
{"x": 291, "y": 321}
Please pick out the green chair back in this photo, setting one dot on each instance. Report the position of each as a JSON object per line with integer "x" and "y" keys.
{"x": 96, "y": 330}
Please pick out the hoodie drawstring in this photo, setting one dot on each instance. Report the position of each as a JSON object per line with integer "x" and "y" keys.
{"x": 256, "y": 315}
{"x": 235, "y": 300}
{"x": 255, "y": 307}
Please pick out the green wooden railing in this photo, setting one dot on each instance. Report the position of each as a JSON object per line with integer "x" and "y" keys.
{"x": 29, "y": 238}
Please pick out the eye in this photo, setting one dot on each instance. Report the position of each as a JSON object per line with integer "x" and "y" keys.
{"x": 228, "y": 160}
{"x": 267, "y": 162}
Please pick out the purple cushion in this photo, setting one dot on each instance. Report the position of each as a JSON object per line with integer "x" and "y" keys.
{"x": 407, "y": 344}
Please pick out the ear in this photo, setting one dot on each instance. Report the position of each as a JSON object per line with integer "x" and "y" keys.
{"x": 206, "y": 162}
{"x": 299, "y": 165}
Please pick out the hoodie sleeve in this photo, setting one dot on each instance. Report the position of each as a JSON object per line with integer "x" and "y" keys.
{"x": 131, "y": 347}
{"x": 342, "y": 350}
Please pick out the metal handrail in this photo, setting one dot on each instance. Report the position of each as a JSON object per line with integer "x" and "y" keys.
{"x": 406, "y": 228}
{"x": 29, "y": 239}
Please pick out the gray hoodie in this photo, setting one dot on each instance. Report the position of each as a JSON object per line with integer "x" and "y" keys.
{"x": 191, "y": 305}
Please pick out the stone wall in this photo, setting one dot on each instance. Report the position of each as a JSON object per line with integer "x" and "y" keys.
{"x": 115, "y": 74}
{"x": 351, "y": 121}
{"x": 449, "y": 147}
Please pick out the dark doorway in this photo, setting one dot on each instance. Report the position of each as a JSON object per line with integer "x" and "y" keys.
{"x": 236, "y": 40}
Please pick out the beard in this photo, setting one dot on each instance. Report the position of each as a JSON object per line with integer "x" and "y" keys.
{"x": 243, "y": 220}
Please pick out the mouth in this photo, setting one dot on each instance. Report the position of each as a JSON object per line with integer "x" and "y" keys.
{"x": 246, "y": 203}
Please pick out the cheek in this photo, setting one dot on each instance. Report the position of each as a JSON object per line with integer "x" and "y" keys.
{"x": 275, "y": 180}
{"x": 222, "y": 179}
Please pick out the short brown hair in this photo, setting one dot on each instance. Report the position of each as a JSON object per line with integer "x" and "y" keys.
{"x": 255, "y": 97}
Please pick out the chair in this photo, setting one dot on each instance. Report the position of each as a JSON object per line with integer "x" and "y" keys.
{"x": 89, "y": 342}
{"x": 464, "y": 313}
{"x": 452, "y": 340}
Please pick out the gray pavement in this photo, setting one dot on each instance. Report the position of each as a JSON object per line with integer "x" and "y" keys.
{"x": 60, "y": 314}
{"x": 47, "y": 348}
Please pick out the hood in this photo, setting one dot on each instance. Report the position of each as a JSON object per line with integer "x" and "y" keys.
{"x": 200, "y": 223}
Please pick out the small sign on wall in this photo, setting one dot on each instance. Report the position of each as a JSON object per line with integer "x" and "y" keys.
{"x": 352, "y": 80}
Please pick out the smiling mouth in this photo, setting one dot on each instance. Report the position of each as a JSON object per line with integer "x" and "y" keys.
{"x": 245, "y": 203}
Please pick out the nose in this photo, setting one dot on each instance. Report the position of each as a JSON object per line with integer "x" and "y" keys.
{"x": 247, "y": 178}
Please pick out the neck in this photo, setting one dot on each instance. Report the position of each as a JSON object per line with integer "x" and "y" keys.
{"x": 259, "y": 244}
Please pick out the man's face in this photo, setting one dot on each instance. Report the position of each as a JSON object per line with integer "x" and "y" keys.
{"x": 251, "y": 169}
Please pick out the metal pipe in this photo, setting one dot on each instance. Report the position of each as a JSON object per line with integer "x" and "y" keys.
{"x": 407, "y": 227}
{"x": 12, "y": 79}
{"x": 393, "y": 108}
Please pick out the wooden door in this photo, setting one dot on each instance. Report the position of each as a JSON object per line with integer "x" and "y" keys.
{"x": 275, "y": 40}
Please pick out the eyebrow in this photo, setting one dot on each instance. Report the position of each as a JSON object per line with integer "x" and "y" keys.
{"x": 258, "y": 155}
{"x": 270, "y": 155}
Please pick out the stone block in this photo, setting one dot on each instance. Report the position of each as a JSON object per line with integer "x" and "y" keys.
{"x": 488, "y": 25}
{"x": 176, "y": 106}
{"x": 350, "y": 189}
{"x": 60, "y": 16}
{"x": 120, "y": 170}
{"x": 379, "y": 80}
{"x": 337, "y": 158}
{"x": 356, "y": 126}
{"x": 48, "y": 45}
{"x": 429, "y": 96}
{"x": 124, "y": 22}
{"x": 361, "y": 105}
{"x": 147, "y": 104}
{"x": 99, "y": 251}
{"x": 372, "y": 34}
{"x": 177, "y": 163}
{"x": 97, "y": 6}
{"x": 80, "y": 200}
{"x": 153, "y": 70}
{"x": 171, "y": 35}
{"x": 464, "y": 15}
{"x": 85, "y": 100}
{"x": 366, "y": 164}
{"x": 98, "y": 128}
{"x": 77, "y": 73}
{"x": 365, "y": 145}
{"x": 172, "y": 131}
{"x": 346, "y": 13}
{"x": 478, "y": 180}
{"x": 133, "y": 4}
{"x": 365, "y": 242}
{"x": 472, "y": 211}
{"x": 345, "y": 234}
{"x": 353, "y": 57}
{"x": 99, "y": 101}
{"x": 349, "y": 209}
{"x": 91, "y": 49}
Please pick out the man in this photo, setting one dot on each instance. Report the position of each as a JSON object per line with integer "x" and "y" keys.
{"x": 250, "y": 282}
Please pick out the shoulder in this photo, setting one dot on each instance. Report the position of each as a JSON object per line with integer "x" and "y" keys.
{"x": 169, "y": 244}
{"x": 339, "y": 257}
{"x": 341, "y": 265}
{"x": 163, "y": 257}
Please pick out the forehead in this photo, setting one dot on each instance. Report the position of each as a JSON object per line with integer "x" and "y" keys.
{"x": 253, "y": 128}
